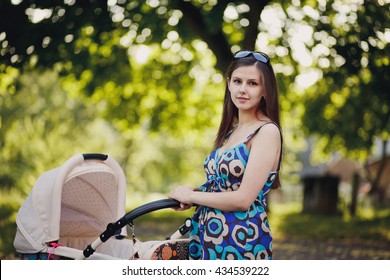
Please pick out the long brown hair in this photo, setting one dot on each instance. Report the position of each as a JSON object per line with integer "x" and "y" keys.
{"x": 269, "y": 105}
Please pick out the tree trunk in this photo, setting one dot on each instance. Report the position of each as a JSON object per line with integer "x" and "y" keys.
{"x": 375, "y": 181}
{"x": 354, "y": 194}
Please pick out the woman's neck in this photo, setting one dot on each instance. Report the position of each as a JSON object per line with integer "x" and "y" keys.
{"x": 247, "y": 120}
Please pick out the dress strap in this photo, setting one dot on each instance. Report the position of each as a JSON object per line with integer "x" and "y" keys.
{"x": 228, "y": 134}
{"x": 281, "y": 140}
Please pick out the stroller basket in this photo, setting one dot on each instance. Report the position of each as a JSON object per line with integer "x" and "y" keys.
{"x": 70, "y": 206}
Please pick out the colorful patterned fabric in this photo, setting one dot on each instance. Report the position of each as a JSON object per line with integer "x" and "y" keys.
{"x": 217, "y": 234}
{"x": 171, "y": 250}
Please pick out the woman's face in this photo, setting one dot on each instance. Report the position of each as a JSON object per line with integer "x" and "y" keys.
{"x": 246, "y": 88}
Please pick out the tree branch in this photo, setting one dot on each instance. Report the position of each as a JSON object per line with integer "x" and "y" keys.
{"x": 216, "y": 40}
{"x": 251, "y": 32}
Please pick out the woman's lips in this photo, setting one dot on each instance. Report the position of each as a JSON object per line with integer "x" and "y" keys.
{"x": 242, "y": 99}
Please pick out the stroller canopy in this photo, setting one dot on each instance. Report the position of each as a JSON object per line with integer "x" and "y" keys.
{"x": 79, "y": 198}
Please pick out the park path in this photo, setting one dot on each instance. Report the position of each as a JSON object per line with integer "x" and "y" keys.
{"x": 300, "y": 249}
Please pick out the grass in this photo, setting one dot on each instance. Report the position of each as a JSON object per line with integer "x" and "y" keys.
{"x": 160, "y": 224}
{"x": 287, "y": 221}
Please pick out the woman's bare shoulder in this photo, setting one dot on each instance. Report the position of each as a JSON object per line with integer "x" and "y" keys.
{"x": 268, "y": 132}
{"x": 270, "y": 128}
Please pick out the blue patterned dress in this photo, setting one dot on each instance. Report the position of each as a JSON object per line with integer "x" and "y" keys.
{"x": 217, "y": 234}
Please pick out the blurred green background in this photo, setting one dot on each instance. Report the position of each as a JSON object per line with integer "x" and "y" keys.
{"x": 143, "y": 82}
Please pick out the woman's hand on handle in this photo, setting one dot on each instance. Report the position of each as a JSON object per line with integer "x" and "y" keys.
{"x": 183, "y": 207}
{"x": 182, "y": 194}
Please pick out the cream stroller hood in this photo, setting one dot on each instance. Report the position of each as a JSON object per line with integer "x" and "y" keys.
{"x": 79, "y": 198}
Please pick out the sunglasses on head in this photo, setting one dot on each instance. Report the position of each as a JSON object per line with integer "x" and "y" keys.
{"x": 259, "y": 56}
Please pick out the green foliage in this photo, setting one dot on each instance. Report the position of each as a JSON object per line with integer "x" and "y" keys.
{"x": 148, "y": 68}
{"x": 349, "y": 105}
{"x": 44, "y": 125}
{"x": 47, "y": 31}
{"x": 153, "y": 164}
{"x": 41, "y": 127}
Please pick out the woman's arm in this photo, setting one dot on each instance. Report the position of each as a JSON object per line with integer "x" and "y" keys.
{"x": 263, "y": 158}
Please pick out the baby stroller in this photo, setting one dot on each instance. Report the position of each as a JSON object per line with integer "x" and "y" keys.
{"x": 79, "y": 208}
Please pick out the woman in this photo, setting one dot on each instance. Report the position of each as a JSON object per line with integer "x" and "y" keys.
{"x": 230, "y": 221}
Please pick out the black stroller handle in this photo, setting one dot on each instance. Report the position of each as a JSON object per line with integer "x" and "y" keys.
{"x": 95, "y": 156}
{"x": 150, "y": 207}
{"x": 114, "y": 228}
